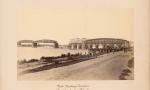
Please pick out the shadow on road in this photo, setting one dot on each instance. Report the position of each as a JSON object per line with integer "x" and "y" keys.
{"x": 47, "y": 67}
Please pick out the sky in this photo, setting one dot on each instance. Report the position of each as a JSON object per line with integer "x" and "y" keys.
{"x": 63, "y": 24}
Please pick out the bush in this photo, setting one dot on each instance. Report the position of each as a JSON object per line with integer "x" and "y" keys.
{"x": 32, "y": 60}
{"x": 131, "y": 63}
{"x": 124, "y": 73}
{"x": 22, "y": 61}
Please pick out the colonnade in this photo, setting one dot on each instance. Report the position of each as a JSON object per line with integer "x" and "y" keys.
{"x": 95, "y": 46}
{"x": 85, "y": 46}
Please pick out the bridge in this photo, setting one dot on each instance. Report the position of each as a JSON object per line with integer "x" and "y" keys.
{"x": 38, "y": 43}
{"x": 25, "y": 43}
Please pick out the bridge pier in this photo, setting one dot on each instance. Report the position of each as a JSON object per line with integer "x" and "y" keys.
{"x": 56, "y": 45}
{"x": 34, "y": 44}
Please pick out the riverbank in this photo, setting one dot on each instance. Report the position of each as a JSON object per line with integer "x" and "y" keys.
{"x": 104, "y": 67}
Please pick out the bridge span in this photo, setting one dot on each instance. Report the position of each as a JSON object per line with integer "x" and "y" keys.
{"x": 38, "y": 43}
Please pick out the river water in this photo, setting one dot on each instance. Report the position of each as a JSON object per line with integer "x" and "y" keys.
{"x": 36, "y": 53}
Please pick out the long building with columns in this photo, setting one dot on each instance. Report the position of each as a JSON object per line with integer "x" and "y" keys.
{"x": 77, "y": 43}
{"x": 98, "y": 43}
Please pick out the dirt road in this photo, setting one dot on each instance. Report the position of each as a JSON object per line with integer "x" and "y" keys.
{"x": 106, "y": 67}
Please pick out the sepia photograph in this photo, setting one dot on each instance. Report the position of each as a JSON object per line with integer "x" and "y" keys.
{"x": 75, "y": 44}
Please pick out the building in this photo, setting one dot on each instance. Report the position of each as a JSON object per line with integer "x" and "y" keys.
{"x": 76, "y": 43}
{"x": 98, "y": 43}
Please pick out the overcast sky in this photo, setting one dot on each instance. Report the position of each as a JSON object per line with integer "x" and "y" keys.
{"x": 63, "y": 24}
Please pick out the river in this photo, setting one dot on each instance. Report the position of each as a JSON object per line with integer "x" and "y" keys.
{"x": 36, "y": 53}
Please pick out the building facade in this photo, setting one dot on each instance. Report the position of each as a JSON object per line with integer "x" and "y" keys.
{"x": 77, "y": 43}
{"x": 98, "y": 43}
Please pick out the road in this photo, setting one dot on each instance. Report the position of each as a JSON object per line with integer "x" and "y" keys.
{"x": 106, "y": 67}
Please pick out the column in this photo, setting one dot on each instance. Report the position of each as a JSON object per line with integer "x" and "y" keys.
{"x": 89, "y": 46}
{"x": 78, "y": 46}
{"x": 72, "y": 46}
{"x": 83, "y": 46}
{"x": 96, "y": 46}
